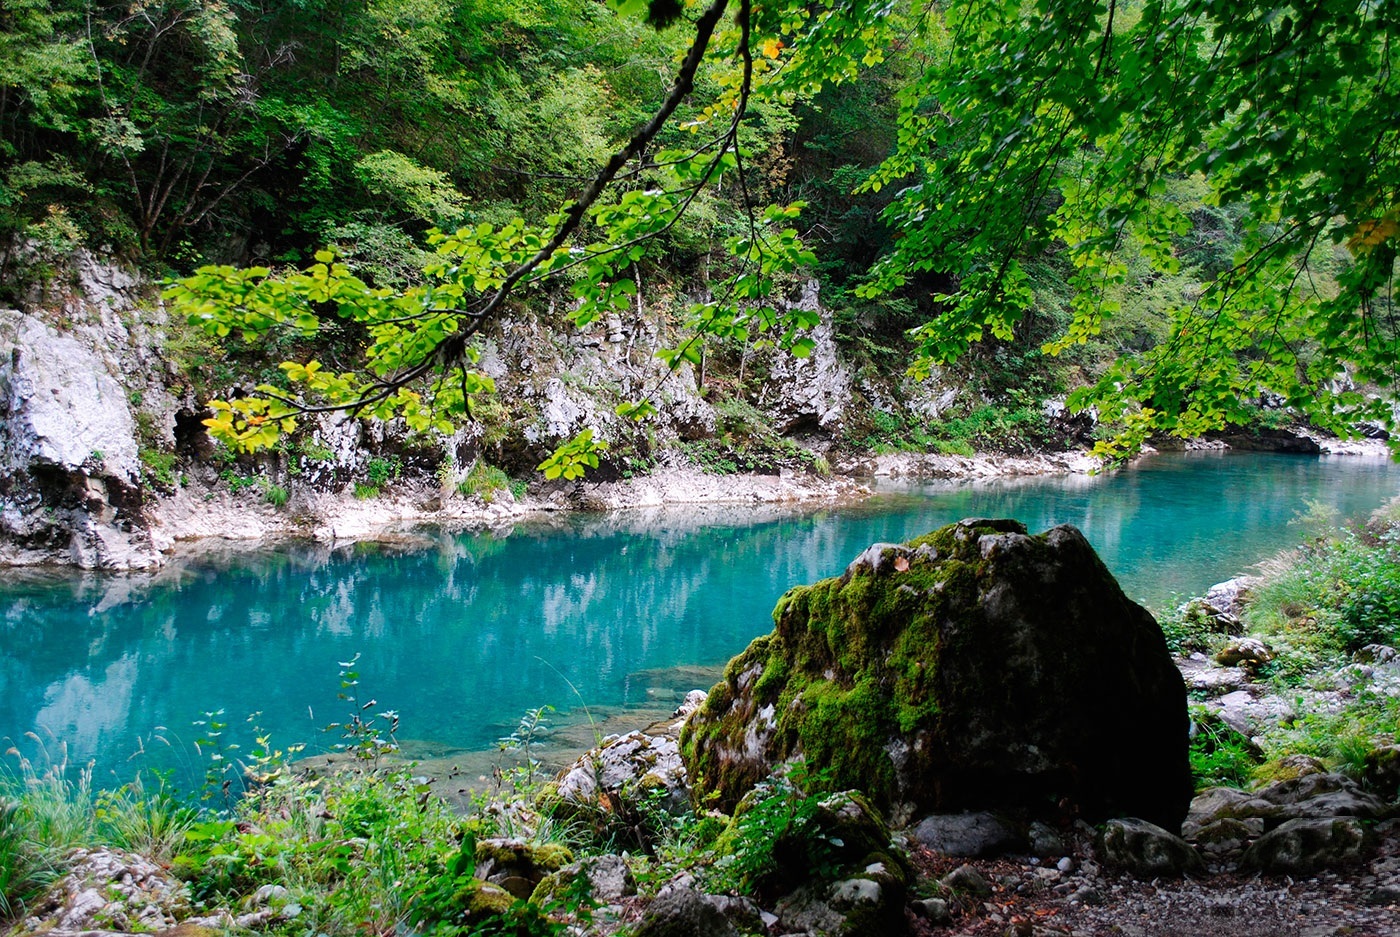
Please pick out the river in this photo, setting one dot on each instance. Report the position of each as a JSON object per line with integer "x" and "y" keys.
{"x": 460, "y": 634}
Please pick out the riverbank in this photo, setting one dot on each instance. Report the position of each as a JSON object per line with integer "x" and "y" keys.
{"x": 212, "y": 511}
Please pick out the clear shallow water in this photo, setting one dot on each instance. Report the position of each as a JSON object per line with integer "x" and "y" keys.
{"x": 462, "y": 633}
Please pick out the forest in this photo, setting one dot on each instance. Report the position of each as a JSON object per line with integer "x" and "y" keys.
{"x": 1178, "y": 211}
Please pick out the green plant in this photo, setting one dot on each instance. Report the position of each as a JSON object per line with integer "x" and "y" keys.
{"x": 531, "y": 728}
{"x": 1190, "y": 627}
{"x": 484, "y": 481}
{"x": 777, "y": 813}
{"x": 315, "y": 452}
{"x": 1219, "y": 754}
{"x": 159, "y": 467}
{"x": 368, "y": 733}
{"x": 380, "y": 470}
{"x": 1342, "y": 738}
{"x": 238, "y": 483}
{"x": 366, "y": 492}
{"x": 275, "y": 495}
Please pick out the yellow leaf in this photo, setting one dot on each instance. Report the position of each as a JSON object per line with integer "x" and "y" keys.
{"x": 771, "y": 48}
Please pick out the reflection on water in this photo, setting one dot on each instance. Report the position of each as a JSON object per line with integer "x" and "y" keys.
{"x": 462, "y": 633}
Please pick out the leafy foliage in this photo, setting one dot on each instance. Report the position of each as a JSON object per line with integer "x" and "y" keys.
{"x": 1069, "y": 121}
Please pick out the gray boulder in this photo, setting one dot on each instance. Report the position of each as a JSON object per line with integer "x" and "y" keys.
{"x": 966, "y": 835}
{"x": 626, "y": 769}
{"x": 1148, "y": 851}
{"x": 108, "y": 890}
{"x": 966, "y": 670}
{"x": 1304, "y": 846}
{"x": 681, "y": 911}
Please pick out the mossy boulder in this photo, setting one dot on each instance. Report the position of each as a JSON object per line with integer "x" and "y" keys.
{"x": 974, "y": 668}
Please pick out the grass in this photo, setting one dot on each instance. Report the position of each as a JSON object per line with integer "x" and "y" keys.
{"x": 48, "y": 810}
{"x": 484, "y": 481}
{"x": 1316, "y": 607}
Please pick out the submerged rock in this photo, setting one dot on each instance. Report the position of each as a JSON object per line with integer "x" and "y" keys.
{"x": 973, "y": 668}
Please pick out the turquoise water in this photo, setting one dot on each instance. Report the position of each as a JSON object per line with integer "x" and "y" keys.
{"x": 462, "y": 633}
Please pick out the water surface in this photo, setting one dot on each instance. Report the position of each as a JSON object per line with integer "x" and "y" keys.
{"x": 462, "y": 633}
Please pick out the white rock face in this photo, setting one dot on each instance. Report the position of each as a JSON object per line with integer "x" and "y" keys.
{"x": 58, "y": 404}
{"x": 68, "y": 457}
{"x": 813, "y": 391}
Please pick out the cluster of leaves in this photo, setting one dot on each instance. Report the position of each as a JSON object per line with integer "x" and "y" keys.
{"x": 1069, "y": 121}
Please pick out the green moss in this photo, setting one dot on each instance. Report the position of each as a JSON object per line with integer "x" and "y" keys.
{"x": 552, "y": 856}
{"x": 853, "y": 662}
{"x": 481, "y": 900}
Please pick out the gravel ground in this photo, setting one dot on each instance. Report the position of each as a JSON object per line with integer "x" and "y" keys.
{"x": 1038, "y": 900}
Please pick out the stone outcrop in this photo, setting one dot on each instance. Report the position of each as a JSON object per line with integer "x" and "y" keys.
{"x": 1146, "y": 850}
{"x": 69, "y": 473}
{"x": 976, "y": 667}
{"x": 811, "y": 393}
{"x": 108, "y": 890}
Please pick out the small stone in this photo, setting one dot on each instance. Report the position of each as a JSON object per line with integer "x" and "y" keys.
{"x": 854, "y": 892}
{"x": 934, "y": 909}
{"x": 1384, "y": 895}
{"x": 1065, "y": 865}
{"x": 968, "y": 880}
{"x": 1045, "y": 841}
{"x": 683, "y": 912}
{"x": 966, "y": 835}
{"x": 1248, "y": 653}
{"x": 1088, "y": 895}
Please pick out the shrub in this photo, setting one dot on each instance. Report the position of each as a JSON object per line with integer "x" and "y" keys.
{"x": 159, "y": 467}
{"x": 380, "y": 470}
{"x": 484, "y": 481}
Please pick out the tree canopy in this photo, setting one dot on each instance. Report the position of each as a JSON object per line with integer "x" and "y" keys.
{"x": 1068, "y": 121}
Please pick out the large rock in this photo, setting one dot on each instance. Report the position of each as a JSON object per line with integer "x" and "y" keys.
{"x": 626, "y": 770}
{"x": 1305, "y": 845}
{"x": 69, "y": 472}
{"x": 973, "y": 668}
{"x": 106, "y": 889}
{"x": 810, "y": 393}
{"x": 1146, "y": 850}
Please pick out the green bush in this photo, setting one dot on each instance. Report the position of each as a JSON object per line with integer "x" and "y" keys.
{"x": 159, "y": 467}
{"x": 484, "y": 481}
{"x": 380, "y": 470}
{"x": 1334, "y": 597}
{"x": 1219, "y": 754}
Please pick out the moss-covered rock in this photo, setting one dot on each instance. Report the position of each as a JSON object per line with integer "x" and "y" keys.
{"x": 518, "y": 866}
{"x": 975, "y": 667}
